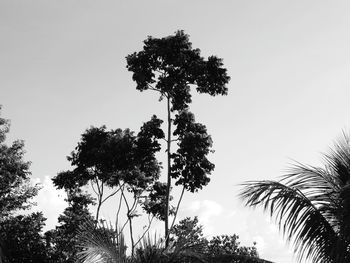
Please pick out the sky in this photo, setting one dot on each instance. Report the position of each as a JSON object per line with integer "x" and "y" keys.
{"x": 63, "y": 69}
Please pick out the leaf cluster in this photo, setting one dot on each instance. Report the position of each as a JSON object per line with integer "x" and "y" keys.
{"x": 229, "y": 245}
{"x": 115, "y": 156}
{"x": 154, "y": 203}
{"x": 190, "y": 164}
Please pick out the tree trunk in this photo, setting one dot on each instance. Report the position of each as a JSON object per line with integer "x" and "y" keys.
{"x": 169, "y": 176}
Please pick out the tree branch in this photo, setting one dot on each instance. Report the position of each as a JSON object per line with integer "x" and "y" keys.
{"x": 93, "y": 188}
{"x": 112, "y": 194}
{"x": 153, "y": 88}
{"x": 148, "y": 227}
{"x": 177, "y": 207}
{"x": 121, "y": 187}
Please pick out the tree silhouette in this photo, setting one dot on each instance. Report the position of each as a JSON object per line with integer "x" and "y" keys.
{"x": 170, "y": 66}
{"x": 124, "y": 163}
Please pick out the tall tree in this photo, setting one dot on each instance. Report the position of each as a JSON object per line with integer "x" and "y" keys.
{"x": 170, "y": 66}
{"x": 311, "y": 205}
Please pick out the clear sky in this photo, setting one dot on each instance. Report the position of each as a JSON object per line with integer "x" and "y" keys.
{"x": 62, "y": 69}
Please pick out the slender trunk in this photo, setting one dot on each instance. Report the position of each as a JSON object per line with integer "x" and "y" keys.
{"x": 99, "y": 199}
{"x": 131, "y": 237}
{"x": 118, "y": 212}
{"x": 130, "y": 215}
{"x": 169, "y": 177}
{"x": 98, "y": 210}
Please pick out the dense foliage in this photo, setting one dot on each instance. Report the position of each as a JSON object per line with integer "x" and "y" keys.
{"x": 20, "y": 235}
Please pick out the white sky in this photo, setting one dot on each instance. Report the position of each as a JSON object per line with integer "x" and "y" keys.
{"x": 62, "y": 69}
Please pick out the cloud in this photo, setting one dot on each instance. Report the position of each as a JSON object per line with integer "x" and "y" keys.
{"x": 50, "y": 201}
{"x": 231, "y": 214}
{"x": 206, "y": 210}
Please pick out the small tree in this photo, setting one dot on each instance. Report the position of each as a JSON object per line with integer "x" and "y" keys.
{"x": 123, "y": 162}
{"x": 188, "y": 234}
{"x": 170, "y": 66}
{"x": 62, "y": 242}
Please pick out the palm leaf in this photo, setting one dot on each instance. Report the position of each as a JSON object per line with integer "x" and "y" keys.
{"x": 98, "y": 244}
{"x": 311, "y": 205}
{"x": 298, "y": 218}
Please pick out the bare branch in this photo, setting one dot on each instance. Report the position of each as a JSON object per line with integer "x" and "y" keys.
{"x": 93, "y": 188}
{"x": 112, "y": 194}
{"x": 148, "y": 227}
{"x": 177, "y": 207}
{"x": 152, "y": 88}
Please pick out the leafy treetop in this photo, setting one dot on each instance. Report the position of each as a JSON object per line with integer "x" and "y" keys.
{"x": 173, "y": 65}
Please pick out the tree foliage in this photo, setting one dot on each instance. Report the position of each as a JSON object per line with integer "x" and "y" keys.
{"x": 190, "y": 164}
{"x": 114, "y": 158}
{"x": 170, "y": 65}
{"x": 23, "y": 240}
{"x": 229, "y": 245}
{"x": 20, "y": 235}
{"x": 16, "y": 190}
{"x": 62, "y": 242}
{"x": 311, "y": 205}
{"x": 189, "y": 232}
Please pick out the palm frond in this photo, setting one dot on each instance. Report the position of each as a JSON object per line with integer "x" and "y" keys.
{"x": 98, "y": 244}
{"x": 298, "y": 218}
{"x": 150, "y": 250}
{"x": 311, "y": 205}
{"x": 153, "y": 250}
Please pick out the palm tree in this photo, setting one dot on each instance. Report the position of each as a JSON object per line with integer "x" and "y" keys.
{"x": 311, "y": 205}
